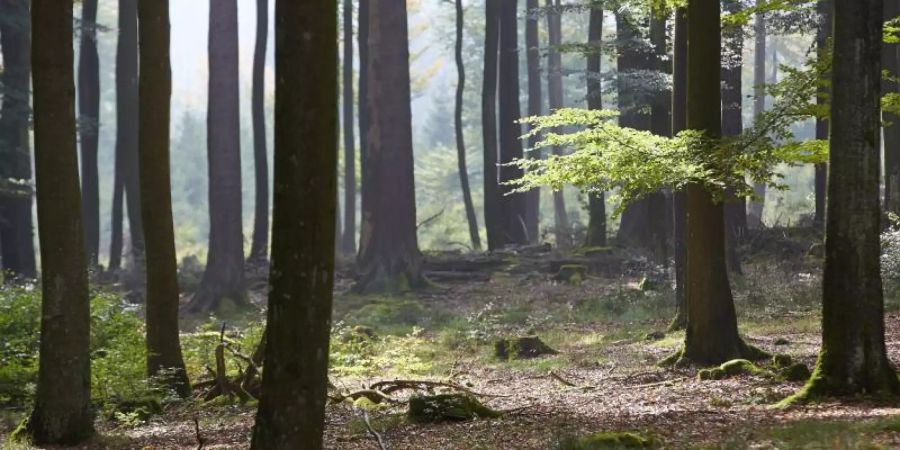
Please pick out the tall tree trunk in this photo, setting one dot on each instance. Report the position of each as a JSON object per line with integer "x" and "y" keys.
{"x": 89, "y": 120}
{"x": 853, "y": 359}
{"x": 348, "y": 240}
{"x": 291, "y": 411}
{"x": 16, "y": 226}
{"x": 755, "y": 208}
{"x": 492, "y": 201}
{"x": 260, "y": 244}
{"x": 224, "y": 275}
{"x": 389, "y": 257}
{"x": 891, "y": 62}
{"x": 596, "y": 230}
{"x": 164, "y": 360}
{"x": 556, "y": 101}
{"x": 458, "y": 124}
{"x": 62, "y": 406}
{"x": 733, "y": 125}
{"x": 660, "y": 124}
{"x": 712, "y": 334}
{"x": 679, "y": 198}
{"x": 533, "y": 65}
{"x": 362, "y": 115}
{"x": 823, "y": 33}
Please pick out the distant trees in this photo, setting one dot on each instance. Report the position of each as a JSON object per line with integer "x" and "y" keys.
{"x": 458, "y": 126}
{"x": 164, "y": 360}
{"x": 291, "y": 412}
{"x": 62, "y": 411}
{"x": 16, "y": 226}
{"x": 260, "y": 244}
{"x": 348, "y": 239}
{"x": 223, "y": 278}
{"x": 89, "y": 125}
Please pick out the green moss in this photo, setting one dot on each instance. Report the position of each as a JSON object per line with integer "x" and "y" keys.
{"x": 573, "y": 274}
{"x": 782, "y": 361}
{"x": 733, "y": 368}
{"x": 796, "y": 372}
{"x": 447, "y": 407}
{"x": 612, "y": 440}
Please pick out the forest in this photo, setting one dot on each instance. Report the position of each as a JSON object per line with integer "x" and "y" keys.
{"x": 449, "y": 224}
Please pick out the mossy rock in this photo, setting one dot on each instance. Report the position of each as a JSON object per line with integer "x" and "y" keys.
{"x": 613, "y": 440}
{"x": 447, "y": 407}
{"x": 571, "y": 273}
{"x": 524, "y": 347}
{"x": 796, "y": 372}
{"x": 731, "y": 369}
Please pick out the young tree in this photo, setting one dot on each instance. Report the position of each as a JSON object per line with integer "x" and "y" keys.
{"x": 164, "y": 360}
{"x": 823, "y": 33}
{"x": 291, "y": 411}
{"x": 223, "y": 278}
{"x": 389, "y": 257}
{"x": 755, "y": 209}
{"x": 348, "y": 240}
{"x": 260, "y": 244}
{"x": 458, "y": 124}
{"x": 533, "y": 66}
{"x": 854, "y": 359}
{"x": 89, "y": 126}
{"x": 679, "y": 197}
{"x": 596, "y": 232}
{"x": 492, "y": 213}
{"x": 556, "y": 101}
{"x": 62, "y": 406}
{"x": 16, "y": 226}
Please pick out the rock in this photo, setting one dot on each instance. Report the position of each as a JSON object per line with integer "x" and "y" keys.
{"x": 613, "y": 440}
{"x": 522, "y": 348}
{"x": 571, "y": 273}
{"x": 447, "y": 407}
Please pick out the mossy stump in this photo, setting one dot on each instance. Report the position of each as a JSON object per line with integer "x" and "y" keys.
{"x": 613, "y": 440}
{"x": 525, "y": 347}
{"x": 447, "y": 407}
{"x": 571, "y": 273}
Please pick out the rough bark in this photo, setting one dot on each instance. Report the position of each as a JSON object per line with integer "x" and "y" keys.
{"x": 260, "y": 244}
{"x": 89, "y": 127}
{"x": 348, "y": 238}
{"x": 555, "y": 97}
{"x": 823, "y": 33}
{"x": 853, "y": 359}
{"x": 596, "y": 230}
{"x": 291, "y": 412}
{"x": 890, "y": 57}
{"x": 458, "y": 125}
{"x": 62, "y": 406}
{"x": 223, "y": 278}
{"x": 164, "y": 360}
{"x": 733, "y": 125}
{"x": 679, "y": 198}
{"x": 755, "y": 208}
{"x": 492, "y": 214}
{"x": 16, "y": 225}
{"x": 533, "y": 66}
{"x": 389, "y": 257}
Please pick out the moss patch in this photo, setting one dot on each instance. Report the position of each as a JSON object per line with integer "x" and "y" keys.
{"x": 447, "y": 407}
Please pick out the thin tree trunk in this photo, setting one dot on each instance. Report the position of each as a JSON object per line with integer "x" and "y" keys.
{"x": 260, "y": 244}
{"x": 460, "y": 138}
{"x": 660, "y": 124}
{"x": 16, "y": 225}
{"x": 755, "y": 208}
{"x": 679, "y": 198}
{"x": 891, "y": 123}
{"x": 223, "y": 278}
{"x": 823, "y": 33}
{"x": 389, "y": 258}
{"x": 348, "y": 240}
{"x": 164, "y": 360}
{"x": 556, "y": 101}
{"x": 596, "y": 231}
{"x": 89, "y": 127}
{"x": 362, "y": 114}
{"x": 733, "y": 125}
{"x": 492, "y": 214}
{"x": 291, "y": 412}
{"x": 533, "y": 65}
{"x": 62, "y": 406}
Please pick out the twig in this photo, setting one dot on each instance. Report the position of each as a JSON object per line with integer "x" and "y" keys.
{"x": 200, "y": 441}
{"x": 372, "y": 431}
{"x": 559, "y": 378}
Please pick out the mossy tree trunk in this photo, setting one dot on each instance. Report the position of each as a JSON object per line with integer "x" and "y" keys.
{"x": 596, "y": 230}
{"x": 853, "y": 359}
{"x": 164, "y": 360}
{"x": 89, "y": 118}
{"x": 823, "y": 33}
{"x": 291, "y": 411}
{"x": 471, "y": 220}
{"x": 679, "y": 200}
{"x": 259, "y": 248}
{"x": 535, "y": 108}
{"x": 62, "y": 406}
{"x": 389, "y": 258}
{"x": 556, "y": 101}
{"x": 16, "y": 224}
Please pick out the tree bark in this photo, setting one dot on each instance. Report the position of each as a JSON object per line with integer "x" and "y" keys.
{"x": 224, "y": 275}
{"x": 389, "y": 258}
{"x": 16, "y": 225}
{"x": 89, "y": 127}
{"x": 596, "y": 231}
{"x": 823, "y": 33}
{"x": 362, "y": 115}
{"x": 291, "y": 411}
{"x": 164, "y": 360}
{"x": 755, "y": 208}
{"x": 660, "y": 124}
{"x": 853, "y": 359}
{"x": 533, "y": 66}
{"x": 62, "y": 406}
{"x": 348, "y": 240}
{"x": 492, "y": 201}
{"x": 679, "y": 198}
{"x": 733, "y": 125}
{"x": 260, "y": 244}
{"x": 556, "y": 101}
{"x": 458, "y": 124}
{"x": 891, "y": 62}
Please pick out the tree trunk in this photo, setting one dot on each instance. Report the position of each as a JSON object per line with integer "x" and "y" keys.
{"x": 533, "y": 65}
{"x": 712, "y": 334}
{"x": 755, "y": 209}
{"x": 260, "y": 244}
{"x": 362, "y": 95}
{"x": 62, "y": 406}
{"x": 389, "y": 258}
{"x": 891, "y": 62}
{"x": 853, "y": 359}
{"x": 348, "y": 239}
{"x": 223, "y": 279}
{"x": 679, "y": 198}
{"x": 556, "y": 101}
{"x": 596, "y": 230}
{"x": 492, "y": 214}
{"x": 733, "y": 125}
{"x": 291, "y": 411}
{"x": 660, "y": 124}
{"x": 16, "y": 226}
{"x": 458, "y": 123}
{"x": 164, "y": 360}
{"x": 823, "y": 33}
{"x": 89, "y": 126}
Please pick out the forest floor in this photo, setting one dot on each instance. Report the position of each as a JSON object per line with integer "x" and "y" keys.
{"x": 610, "y": 330}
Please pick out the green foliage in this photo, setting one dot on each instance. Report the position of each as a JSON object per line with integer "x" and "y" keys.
{"x": 20, "y": 326}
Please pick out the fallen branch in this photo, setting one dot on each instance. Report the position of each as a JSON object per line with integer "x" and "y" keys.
{"x": 372, "y": 431}
{"x": 559, "y": 378}
{"x": 200, "y": 440}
